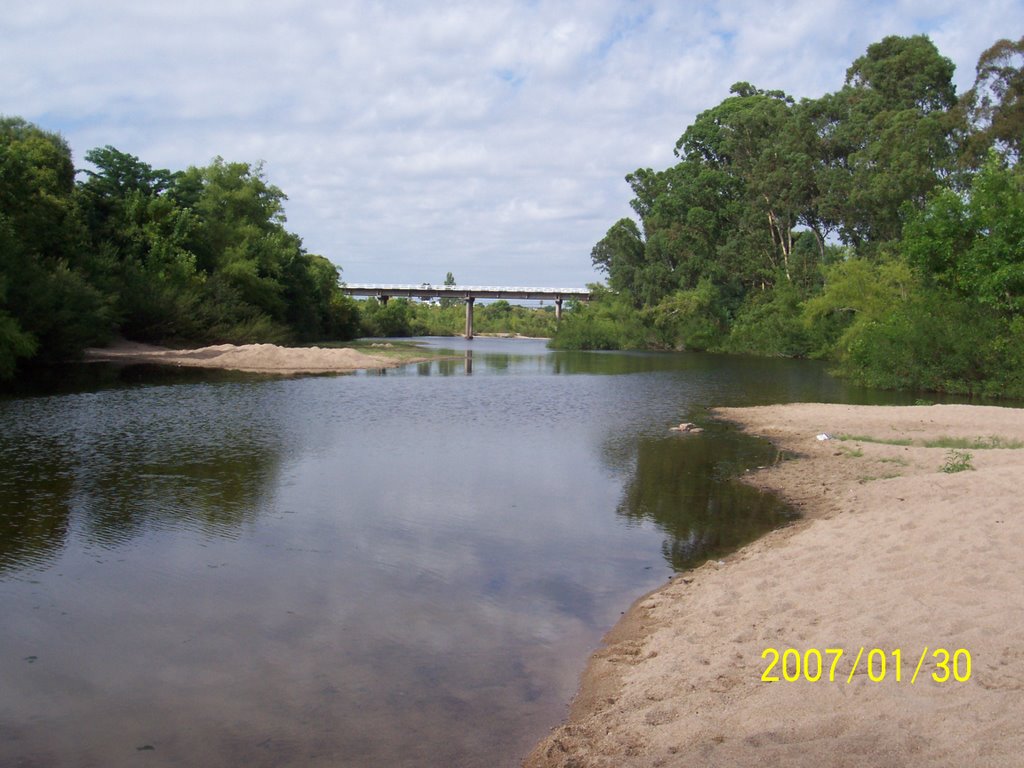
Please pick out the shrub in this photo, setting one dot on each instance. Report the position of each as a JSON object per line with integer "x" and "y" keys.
{"x": 690, "y": 319}
{"x": 957, "y": 461}
{"x": 606, "y": 322}
{"x": 935, "y": 341}
{"x": 768, "y": 323}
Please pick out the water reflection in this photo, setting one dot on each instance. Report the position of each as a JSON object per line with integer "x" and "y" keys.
{"x": 118, "y": 466}
{"x": 687, "y": 485}
{"x": 35, "y": 504}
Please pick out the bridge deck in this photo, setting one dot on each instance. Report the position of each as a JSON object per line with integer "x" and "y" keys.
{"x": 428, "y": 291}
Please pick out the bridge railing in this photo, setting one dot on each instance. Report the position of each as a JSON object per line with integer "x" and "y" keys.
{"x": 408, "y": 288}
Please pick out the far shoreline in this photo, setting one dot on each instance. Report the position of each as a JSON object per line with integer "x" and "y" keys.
{"x": 256, "y": 358}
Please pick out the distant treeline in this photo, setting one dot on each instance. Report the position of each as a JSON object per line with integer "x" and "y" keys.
{"x": 881, "y": 226}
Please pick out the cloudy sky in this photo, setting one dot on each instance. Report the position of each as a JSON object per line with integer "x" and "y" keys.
{"x": 489, "y": 139}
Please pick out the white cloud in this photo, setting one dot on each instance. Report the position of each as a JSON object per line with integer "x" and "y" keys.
{"x": 490, "y": 139}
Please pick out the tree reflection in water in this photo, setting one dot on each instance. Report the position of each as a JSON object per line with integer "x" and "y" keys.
{"x": 687, "y": 485}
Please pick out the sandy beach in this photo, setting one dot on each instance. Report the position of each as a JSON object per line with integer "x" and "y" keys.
{"x": 252, "y": 358}
{"x": 893, "y": 554}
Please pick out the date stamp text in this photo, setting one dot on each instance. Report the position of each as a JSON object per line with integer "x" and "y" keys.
{"x": 832, "y": 664}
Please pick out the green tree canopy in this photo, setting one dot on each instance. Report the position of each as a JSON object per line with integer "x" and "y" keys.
{"x": 48, "y": 307}
{"x": 886, "y": 136}
{"x": 199, "y": 255}
{"x": 973, "y": 244}
{"x": 994, "y": 107}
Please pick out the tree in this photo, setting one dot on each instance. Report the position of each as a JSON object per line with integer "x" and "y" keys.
{"x": 886, "y": 138}
{"x": 198, "y": 255}
{"x": 317, "y": 309}
{"x": 993, "y": 110}
{"x": 36, "y": 180}
{"x": 240, "y": 239}
{"x": 140, "y": 245}
{"x": 48, "y": 308}
{"x": 117, "y": 174}
{"x": 755, "y": 137}
{"x": 449, "y": 281}
{"x": 687, "y": 214}
{"x": 973, "y": 244}
{"x": 389, "y": 319}
{"x": 15, "y": 342}
{"x": 619, "y": 254}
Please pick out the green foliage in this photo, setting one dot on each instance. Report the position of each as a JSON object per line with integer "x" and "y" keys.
{"x": 977, "y": 443}
{"x": 444, "y": 319}
{"x": 391, "y": 318}
{"x": 49, "y": 308}
{"x": 620, "y": 254}
{"x": 763, "y": 142}
{"x": 936, "y": 341}
{"x": 15, "y": 343}
{"x": 902, "y": 73}
{"x": 884, "y": 139}
{"x": 734, "y": 247}
{"x": 200, "y": 255}
{"x": 856, "y": 292}
{"x": 449, "y": 281}
{"x": 608, "y": 321}
{"x": 417, "y": 318}
{"x": 688, "y": 319}
{"x": 505, "y": 318}
{"x": 315, "y": 307}
{"x": 769, "y": 323}
{"x": 869, "y": 439}
{"x": 993, "y": 109}
{"x": 974, "y": 244}
{"x": 957, "y": 461}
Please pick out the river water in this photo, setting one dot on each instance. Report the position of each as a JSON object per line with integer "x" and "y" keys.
{"x": 405, "y": 567}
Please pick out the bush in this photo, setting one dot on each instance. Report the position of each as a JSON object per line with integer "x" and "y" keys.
{"x": 692, "y": 319}
{"x": 606, "y": 322}
{"x": 394, "y": 318}
{"x": 256, "y": 330}
{"x": 768, "y": 323}
{"x": 14, "y": 344}
{"x": 936, "y": 341}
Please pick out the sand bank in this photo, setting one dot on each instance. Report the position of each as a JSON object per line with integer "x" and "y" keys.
{"x": 253, "y": 358}
{"x": 892, "y": 553}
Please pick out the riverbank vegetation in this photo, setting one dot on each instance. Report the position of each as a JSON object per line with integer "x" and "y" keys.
{"x": 200, "y": 255}
{"x": 880, "y": 226}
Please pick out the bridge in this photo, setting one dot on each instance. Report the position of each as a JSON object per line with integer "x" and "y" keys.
{"x": 466, "y": 293}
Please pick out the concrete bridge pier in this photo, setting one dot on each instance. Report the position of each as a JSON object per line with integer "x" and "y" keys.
{"x": 558, "y": 310}
{"x": 469, "y": 316}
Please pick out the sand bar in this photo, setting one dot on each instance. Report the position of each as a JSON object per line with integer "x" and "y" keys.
{"x": 252, "y": 358}
{"x": 892, "y": 553}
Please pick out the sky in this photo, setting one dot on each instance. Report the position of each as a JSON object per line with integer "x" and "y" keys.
{"x": 488, "y": 139}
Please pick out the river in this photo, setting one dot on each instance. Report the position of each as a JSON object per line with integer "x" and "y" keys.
{"x": 405, "y": 567}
